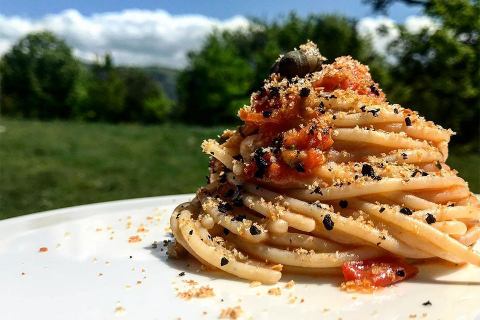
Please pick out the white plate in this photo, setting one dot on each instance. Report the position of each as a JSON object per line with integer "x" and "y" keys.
{"x": 91, "y": 271}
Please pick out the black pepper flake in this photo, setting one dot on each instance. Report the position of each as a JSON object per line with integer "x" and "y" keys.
{"x": 334, "y": 117}
{"x": 406, "y": 211}
{"x": 400, "y": 273}
{"x": 181, "y": 274}
{"x": 367, "y": 171}
{"x": 430, "y": 218}
{"x": 260, "y": 162}
{"x": 374, "y": 112}
{"x": 374, "y": 90}
{"x": 404, "y": 156}
{"x": 363, "y": 108}
{"x": 267, "y": 113}
{"x": 327, "y": 222}
{"x": 414, "y": 173}
{"x": 304, "y": 92}
{"x": 408, "y": 122}
{"x": 130, "y": 257}
{"x": 224, "y": 207}
{"x": 427, "y": 303}
{"x": 274, "y": 92}
{"x": 254, "y": 230}
{"x": 395, "y": 110}
{"x": 223, "y": 262}
{"x": 226, "y": 231}
{"x": 299, "y": 167}
{"x": 154, "y": 245}
{"x": 438, "y": 165}
{"x": 381, "y": 209}
{"x": 321, "y": 107}
{"x": 317, "y": 190}
{"x": 190, "y": 232}
{"x": 343, "y": 204}
{"x": 240, "y": 218}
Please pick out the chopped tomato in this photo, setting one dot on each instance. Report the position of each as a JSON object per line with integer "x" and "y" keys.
{"x": 308, "y": 137}
{"x": 346, "y": 73}
{"x": 379, "y": 272}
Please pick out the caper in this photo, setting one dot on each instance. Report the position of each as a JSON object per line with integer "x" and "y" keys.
{"x": 297, "y": 63}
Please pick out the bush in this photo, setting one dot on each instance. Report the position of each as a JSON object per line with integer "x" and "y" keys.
{"x": 39, "y": 78}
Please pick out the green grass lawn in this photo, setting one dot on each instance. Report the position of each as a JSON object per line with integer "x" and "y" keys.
{"x": 47, "y": 165}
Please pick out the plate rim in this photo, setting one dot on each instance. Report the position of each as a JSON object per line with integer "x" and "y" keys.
{"x": 76, "y": 212}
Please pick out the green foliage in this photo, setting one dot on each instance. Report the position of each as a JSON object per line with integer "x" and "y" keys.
{"x": 39, "y": 76}
{"x": 215, "y": 84}
{"x": 105, "y": 94}
{"x": 145, "y": 100}
{"x": 123, "y": 95}
{"x": 438, "y": 73}
{"x": 230, "y": 65}
{"x": 41, "y": 79}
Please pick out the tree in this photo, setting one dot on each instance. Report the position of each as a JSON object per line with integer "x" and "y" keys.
{"x": 230, "y": 65}
{"x": 438, "y": 73}
{"x": 39, "y": 77}
{"x": 116, "y": 94}
{"x": 106, "y": 93}
{"x": 145, "y": 100}
{"x": 215, "y": 84}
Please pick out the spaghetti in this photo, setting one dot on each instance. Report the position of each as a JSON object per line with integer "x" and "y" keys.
{"x": 325, "y": 175}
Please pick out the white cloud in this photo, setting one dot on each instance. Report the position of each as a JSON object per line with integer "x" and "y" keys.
{"x": 133, "y": 37}
{"x": 383, "y": 30}
{"x": 416, "y": 24}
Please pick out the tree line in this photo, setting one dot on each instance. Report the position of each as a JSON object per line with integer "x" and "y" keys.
{"x": 435, "y": 72}
{"x": 40, "y": 78}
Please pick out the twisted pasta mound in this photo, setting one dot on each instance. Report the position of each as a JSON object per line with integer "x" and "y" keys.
{"x": 326, "y": 176}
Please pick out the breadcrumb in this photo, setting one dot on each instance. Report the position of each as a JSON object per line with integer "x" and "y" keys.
{"x": 134, "y": 239}
{"x": 231, "y": 313}
{"x": 275, "y": 291}
{"x": 202, "y": 292}
{"x": 290, "y": 284}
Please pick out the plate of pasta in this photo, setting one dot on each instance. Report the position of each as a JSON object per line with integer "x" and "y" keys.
{"x": 328, "y": 201}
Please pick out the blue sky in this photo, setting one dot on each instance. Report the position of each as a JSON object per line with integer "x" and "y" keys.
{"x": 162, "y": 32}
{"x": 221, "y": 9}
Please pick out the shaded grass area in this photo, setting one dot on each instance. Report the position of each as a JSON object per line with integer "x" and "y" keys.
{"x": 47, "y": 165}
